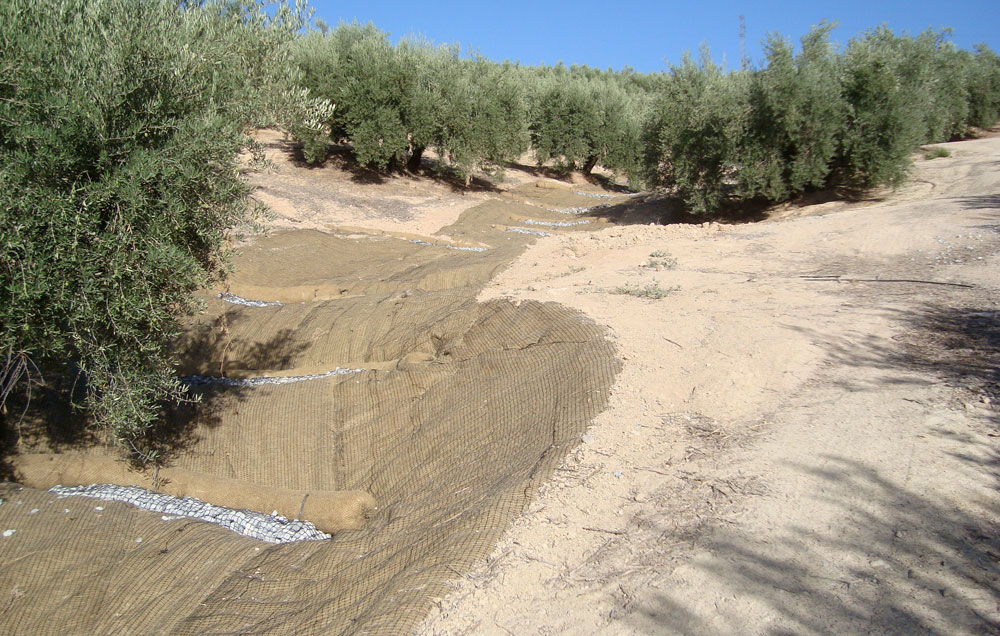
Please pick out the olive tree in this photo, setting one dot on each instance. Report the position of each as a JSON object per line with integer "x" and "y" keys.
{"x": 121, "y": 123}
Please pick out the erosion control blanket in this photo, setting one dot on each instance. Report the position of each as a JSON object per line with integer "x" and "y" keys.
{"x": 451, "y": 415}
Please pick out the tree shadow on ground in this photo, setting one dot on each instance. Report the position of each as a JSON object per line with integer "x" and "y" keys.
{"x": 42, "y": 407}
{"x": 734, "y": 210}
{"x": 542, "y": 172}
{"x": 177, "y": 429}
{"x": 959, "y": 346}
{"x": 984, "y": 202}
{"x": 441, "y": 172}
{"x": 44, "y": 414}
{"x": 46, "y": 405}
{"x": 908, "y": 559}
{"x": 607, "y": 183}
{"x": 910, "y": 563}
{"x": 665, "y": 209}
{"x": 49, "y": 418}
{"x": 338, "y": 155}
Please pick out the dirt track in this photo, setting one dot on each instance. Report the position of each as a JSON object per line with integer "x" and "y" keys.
{"x": 782, "y": 455}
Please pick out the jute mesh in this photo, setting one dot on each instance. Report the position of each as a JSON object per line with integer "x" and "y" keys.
{"x": 463, "y": 410}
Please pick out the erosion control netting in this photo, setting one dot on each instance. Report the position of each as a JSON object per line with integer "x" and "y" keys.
{"x": 456, "y": 413}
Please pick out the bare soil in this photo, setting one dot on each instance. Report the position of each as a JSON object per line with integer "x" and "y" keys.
{"x": 803, "y": 438}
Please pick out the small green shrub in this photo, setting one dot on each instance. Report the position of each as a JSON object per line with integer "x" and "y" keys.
{"x": 935, "y": 153}
{"x": 661, "y": 259}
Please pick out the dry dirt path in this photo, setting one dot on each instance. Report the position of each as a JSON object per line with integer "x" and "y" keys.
{"x": 782, "y": 455}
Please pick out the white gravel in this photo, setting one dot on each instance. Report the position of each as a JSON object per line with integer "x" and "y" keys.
{"x": 450, "y": 247}
{"x": 521, "y": 230}
{"x": 597, "y": 195}
{"x": 557, "y": 223}
{"x": 246, "y": 302}
{"x": 580, "y": 210}
{"x": 270, "y": 528}
{"x": 199, "y": 380}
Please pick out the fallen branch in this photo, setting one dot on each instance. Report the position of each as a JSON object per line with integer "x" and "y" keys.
{"x": 671, "y": 341}
{"x": 604, "y": 530}
{"x": 653, "y": 470}
{"x": 840, "y": 279}
{"x": 718, "y": 490}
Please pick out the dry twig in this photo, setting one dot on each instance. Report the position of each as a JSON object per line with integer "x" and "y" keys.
{"x": 841, "y": 279}
{"x": 618, "y": 532}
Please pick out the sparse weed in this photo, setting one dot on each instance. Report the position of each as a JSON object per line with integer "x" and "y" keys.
{"x": 652, "y": 291}
{"x": 934, "y": 153}
{"x": 661, "y": 259}
{"x": 573, "y": 269}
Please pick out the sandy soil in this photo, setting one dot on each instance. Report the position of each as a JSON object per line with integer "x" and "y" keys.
{"x": 803, "y": 439}
{"x": 782, "y": 454}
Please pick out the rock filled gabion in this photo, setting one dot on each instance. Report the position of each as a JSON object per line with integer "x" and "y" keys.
{"x": 460, "y": 248}
{"x": 246, "y": 302}
{"x": 579, "y": 210}
{"x": 521, "y": 230}
{"x": 556, "y": 223}
{"x": 269, "y": 528}
{"x": 597, "y": 195}
{"x": 199, "y": 380}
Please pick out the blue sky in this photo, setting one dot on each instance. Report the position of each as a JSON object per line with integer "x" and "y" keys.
{"x": 646, "y": 35}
